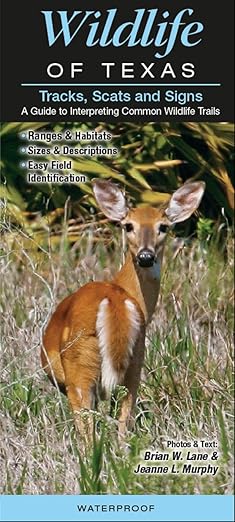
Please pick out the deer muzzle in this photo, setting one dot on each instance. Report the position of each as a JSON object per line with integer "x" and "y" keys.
{"x": 145, "y": 258}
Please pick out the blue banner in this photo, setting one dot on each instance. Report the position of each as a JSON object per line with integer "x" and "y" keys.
{"x": 157, "y": 508}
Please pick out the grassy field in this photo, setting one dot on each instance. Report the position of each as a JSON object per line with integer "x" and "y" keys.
{"x": 186, "y": 388}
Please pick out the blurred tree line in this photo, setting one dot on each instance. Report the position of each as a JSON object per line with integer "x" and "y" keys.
{"x": 154, "y": 159}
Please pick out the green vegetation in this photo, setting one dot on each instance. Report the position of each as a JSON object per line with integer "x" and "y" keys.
{"x": 158, "y": 156}
{"x": 51, "y": 245}
{"x": 185, "y": 393}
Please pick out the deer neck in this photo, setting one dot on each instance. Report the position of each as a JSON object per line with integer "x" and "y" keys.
{"x": 143, "y": 284}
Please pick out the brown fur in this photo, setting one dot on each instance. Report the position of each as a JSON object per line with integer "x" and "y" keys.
{"x": 74, "y": 349}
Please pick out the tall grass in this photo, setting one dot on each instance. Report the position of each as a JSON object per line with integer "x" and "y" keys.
{"x": 186, "y": 386}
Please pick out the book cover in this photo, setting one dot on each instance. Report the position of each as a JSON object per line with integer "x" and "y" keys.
{"x": 117, "y": 200}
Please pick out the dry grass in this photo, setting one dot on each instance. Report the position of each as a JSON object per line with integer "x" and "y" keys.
{"x": 186, "y": 390}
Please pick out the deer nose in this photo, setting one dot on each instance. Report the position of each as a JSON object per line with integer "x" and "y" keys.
{"x": 145, "y": 258}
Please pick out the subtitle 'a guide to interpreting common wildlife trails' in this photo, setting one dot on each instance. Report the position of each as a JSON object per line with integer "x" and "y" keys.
{"x": 117, "y": 205}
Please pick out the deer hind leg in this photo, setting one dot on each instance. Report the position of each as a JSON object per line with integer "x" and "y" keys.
{"x": 131, "y": 382}
{"x": 81, "y": 363}
{"x": 51, "y": 363}
{"x": 81, "y": 398}
{"x": 51, "y": 359}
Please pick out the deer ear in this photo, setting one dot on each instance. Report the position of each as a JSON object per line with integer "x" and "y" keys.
{"x": 110, "y": 199}
{"x": 185, "y": 201}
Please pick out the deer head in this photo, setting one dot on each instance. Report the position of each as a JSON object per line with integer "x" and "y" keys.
{"x": 147, "y": 227}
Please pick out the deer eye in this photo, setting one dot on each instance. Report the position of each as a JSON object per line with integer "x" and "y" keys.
{"x": 129, "y": 227}
{"x": 163, "y": 228}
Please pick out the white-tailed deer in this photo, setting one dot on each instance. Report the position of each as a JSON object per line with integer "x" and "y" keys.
{"x": 96, "y": 336}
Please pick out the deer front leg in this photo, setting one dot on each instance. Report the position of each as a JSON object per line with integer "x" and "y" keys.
{"x": 131, "y": 382}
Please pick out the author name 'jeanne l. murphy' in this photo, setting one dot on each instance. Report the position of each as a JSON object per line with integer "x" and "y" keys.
{"x": 186, "y": 469}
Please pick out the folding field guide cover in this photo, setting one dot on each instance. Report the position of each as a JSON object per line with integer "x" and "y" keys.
{"x": 116, "y": 260}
